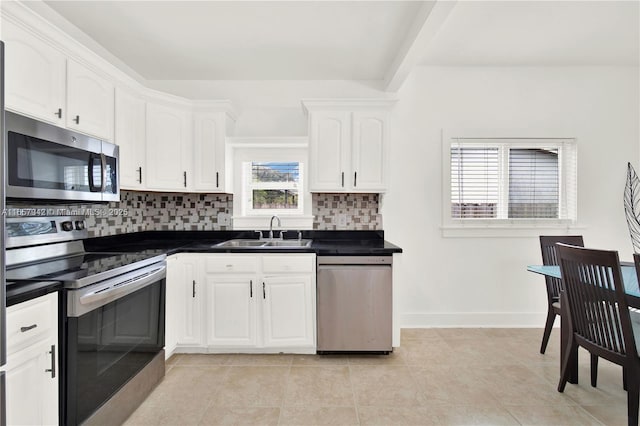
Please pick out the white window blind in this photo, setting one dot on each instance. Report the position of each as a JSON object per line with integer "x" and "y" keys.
{"x": 513, "y": 179}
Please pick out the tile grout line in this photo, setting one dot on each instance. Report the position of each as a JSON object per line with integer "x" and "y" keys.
{"x": 284, "y": 394}
{"x": 353, "y": 391}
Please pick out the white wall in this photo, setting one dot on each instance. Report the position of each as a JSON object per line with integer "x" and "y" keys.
{"x": 483, "y": 281}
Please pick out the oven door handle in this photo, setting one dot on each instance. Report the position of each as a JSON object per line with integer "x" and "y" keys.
{"x": 83, "y": 301}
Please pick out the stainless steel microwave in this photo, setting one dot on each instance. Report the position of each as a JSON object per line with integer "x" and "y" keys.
{"x": 51, "y": 163}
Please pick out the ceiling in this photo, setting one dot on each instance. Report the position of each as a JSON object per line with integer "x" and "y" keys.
{"x": 351, "y": 40}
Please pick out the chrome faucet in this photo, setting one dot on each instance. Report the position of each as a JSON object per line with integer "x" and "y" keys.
{"x": 271, "y": 226}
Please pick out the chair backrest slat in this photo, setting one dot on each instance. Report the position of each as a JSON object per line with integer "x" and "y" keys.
{"x": 596, "y": 298}
{"x": 550, "y": 257}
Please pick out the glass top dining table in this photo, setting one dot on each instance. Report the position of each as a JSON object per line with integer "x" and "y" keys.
{"x": 629, "y": 279}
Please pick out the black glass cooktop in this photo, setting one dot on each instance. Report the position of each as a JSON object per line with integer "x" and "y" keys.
{"x": 77, "y": 267}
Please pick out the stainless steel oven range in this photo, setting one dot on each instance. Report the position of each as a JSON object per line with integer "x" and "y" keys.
{"x": 112, "y": 325}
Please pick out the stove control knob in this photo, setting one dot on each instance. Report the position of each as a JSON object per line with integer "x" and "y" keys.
{"x": 80, "y": 225}
{"x": 67, "y": 226}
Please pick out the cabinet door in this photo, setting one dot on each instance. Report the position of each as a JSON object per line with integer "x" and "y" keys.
{"x": 329, "y": 147}
{"x": 368, "y": 155}
{"x": 231, "y": 310}
{"x": 288, "y": 314}
{"x": 32, "y": 392}
{"x": 210, "y": 156}
{"x": 90, "y": 100}
{"x": 130, "y": 137}
{"x": 168, "y": 146}
{"x": 35, "y": 75}
{"x": 192, "y": 291}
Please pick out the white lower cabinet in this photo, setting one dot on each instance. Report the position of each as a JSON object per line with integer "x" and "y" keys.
{"x": 252, "y": 302}
{"x": 32, "y": 362}
{"x": 288, "y": 311}
{"x": 231, "y": 311}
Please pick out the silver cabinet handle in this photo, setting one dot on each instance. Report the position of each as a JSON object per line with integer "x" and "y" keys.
{"x": 343, "y": 179}
{"x": 185, "y": 179}
{"x": 264, "y": 292}
{"x": 77, "y": 119}
{"x": 58, "y": 113}
{"x": 140, "y": 174}
{"x": 355, "y": 179}
{"x": 194, "y": 289}
{"x": 217, "y": 180}
{"x": 250, "y": 288}
{"x": 52, "y": 370}
{"x": 25, "y": 329}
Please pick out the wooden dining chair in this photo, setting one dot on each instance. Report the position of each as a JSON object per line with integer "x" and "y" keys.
{"x": 599, "y": 316}
{"x": 554, "y": 285}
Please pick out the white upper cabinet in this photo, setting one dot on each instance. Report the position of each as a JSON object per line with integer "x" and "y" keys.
{"x": 329, "y": 142}
{"x": 130, "y": 137}
{"x": 210, "y": 132}
{"x": 348, "y": 145}
{"x": 168, "y": 148}
{"x": 368, "y": 151}
{"x": 35, "y": 75}
{"x": 90, "y": 102}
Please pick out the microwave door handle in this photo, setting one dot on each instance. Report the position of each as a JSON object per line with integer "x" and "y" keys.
{"x": 103, "y": 161}
{"x": 92, "y": 187}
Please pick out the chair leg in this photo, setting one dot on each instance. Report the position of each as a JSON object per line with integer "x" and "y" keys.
{"x": 624, "y": 379}
{"x": 632, "y": 403}
{"x": 564, "y": 376}
{"x": 594, "y": 370}
{"x": 551, "y": 316}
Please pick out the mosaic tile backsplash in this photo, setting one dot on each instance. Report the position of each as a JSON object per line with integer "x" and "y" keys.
{"x": 153, "y": 211}
{"x": 150, "y": 211}
{"x": 346, "y": 211}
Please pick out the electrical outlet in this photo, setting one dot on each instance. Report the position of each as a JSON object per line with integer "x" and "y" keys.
{"x": 342, "y": 220}
{"x": 224, "y": 219}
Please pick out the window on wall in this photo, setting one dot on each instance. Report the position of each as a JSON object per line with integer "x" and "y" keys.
{"x": 269, "y": 179}
{"x": 273, "y": 187}
{"x": 511, "y": 181}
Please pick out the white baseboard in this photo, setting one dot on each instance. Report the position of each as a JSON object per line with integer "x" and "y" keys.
{"x": 475, "y": 320}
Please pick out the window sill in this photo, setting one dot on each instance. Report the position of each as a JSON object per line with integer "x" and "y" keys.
{"x": 262, "y": 222}
{"x": 508, "y": 229}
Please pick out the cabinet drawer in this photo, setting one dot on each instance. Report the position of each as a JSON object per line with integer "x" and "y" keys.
{"x": 288, "y": 263}
{"x": 232, "y": 263}
{"x": 31, "y": 321}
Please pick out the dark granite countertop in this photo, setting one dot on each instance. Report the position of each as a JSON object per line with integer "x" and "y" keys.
{"x": 325, "y": 243}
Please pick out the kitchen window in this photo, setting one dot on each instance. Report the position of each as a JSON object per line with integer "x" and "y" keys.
{"x": 510, "y": 182}
{"x": 272, "y": 187}
{"x": 269, "y": 178}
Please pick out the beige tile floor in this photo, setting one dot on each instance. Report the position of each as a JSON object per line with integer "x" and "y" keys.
{"x": 436, "y": 377}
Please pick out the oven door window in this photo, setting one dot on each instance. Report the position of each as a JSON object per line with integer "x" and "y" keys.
{"x": 35, "y": 163}
{"x": 110, "y": 345}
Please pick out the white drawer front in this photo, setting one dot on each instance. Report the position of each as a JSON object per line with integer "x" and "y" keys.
{"x": 232, "y": 263}
{"x": 30, "y": 321}
{"x": 288, "y": 263}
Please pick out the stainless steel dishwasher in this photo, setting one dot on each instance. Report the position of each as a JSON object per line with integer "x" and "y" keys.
{"x": 354, "y": 304}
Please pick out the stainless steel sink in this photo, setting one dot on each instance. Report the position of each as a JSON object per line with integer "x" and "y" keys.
{"x": 265, "y": 243}
{"x": 241, "y": 243}
{"x": 288, "y": 243}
